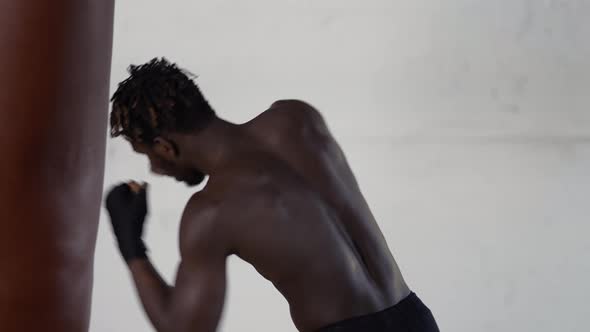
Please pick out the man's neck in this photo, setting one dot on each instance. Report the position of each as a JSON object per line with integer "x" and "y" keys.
{"x": 211, "y": 148}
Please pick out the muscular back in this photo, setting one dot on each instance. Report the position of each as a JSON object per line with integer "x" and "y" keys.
{"x": 302, "y": 222}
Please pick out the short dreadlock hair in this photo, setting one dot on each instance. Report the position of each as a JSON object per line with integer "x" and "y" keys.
{"x": 158, "y": 97}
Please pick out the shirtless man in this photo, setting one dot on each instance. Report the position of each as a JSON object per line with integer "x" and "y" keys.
{"x": 280, "y": 196}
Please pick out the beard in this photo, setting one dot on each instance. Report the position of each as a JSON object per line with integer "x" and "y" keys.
{"x": 195, "y": 179}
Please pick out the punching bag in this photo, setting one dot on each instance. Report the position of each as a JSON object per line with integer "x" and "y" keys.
{"x": 54, "y": 78}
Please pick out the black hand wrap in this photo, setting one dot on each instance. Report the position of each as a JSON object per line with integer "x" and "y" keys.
{"x": 128, "y": 211}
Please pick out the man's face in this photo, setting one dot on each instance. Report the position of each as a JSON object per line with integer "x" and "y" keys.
{"x": 166, "y": 164}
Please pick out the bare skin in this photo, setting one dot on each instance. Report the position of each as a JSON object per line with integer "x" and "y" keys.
{"x": 282, "y": 197}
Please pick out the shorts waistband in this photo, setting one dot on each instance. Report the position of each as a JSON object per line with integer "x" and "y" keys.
{"x": 410, "y": 305}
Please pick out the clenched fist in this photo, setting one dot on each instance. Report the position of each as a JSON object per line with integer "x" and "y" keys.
{"x": 127, "y": 207}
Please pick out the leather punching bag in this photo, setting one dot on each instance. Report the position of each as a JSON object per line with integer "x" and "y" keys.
{"x": 55, "y": 58}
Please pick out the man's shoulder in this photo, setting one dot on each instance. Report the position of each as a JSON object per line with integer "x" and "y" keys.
{"x": 207, "y": 205}
{"x": 221, "y": 216}
{"x": 289, "y": 119}
{"x": 199, "y": 223}
{"x": 287, "y": 113}
{"x": 199, "y": 203}
{"x": 295, "y": 111}
{"x": 222, "y": 203}
{"x": 292, "y": 104}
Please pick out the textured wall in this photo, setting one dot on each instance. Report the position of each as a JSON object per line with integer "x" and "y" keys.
{"x": 466, "y": 122}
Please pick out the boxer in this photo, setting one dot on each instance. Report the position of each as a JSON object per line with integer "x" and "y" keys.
{"x": 280, "y": 195}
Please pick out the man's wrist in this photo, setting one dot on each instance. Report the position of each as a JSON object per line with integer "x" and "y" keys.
{"x": 137, "y": 262}
{"x": 133, "y": 250}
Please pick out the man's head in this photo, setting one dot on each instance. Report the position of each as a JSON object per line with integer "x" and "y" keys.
{"x": 157, "y": 101}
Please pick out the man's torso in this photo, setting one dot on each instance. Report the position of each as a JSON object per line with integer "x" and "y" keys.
{"x": 296, "y": 213}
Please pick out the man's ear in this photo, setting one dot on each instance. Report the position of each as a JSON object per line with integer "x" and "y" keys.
{"x": 165, "y": 148}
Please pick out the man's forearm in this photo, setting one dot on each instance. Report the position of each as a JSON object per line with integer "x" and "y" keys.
{"x": 153, "y": 292}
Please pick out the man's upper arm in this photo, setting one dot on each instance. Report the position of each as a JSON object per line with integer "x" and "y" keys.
{"x": 197, "y": 300}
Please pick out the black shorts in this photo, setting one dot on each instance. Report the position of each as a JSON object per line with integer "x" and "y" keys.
{"x": 409, "y": 315}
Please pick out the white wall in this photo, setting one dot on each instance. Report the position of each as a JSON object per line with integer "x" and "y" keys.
{"x": 466, "y": 122}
